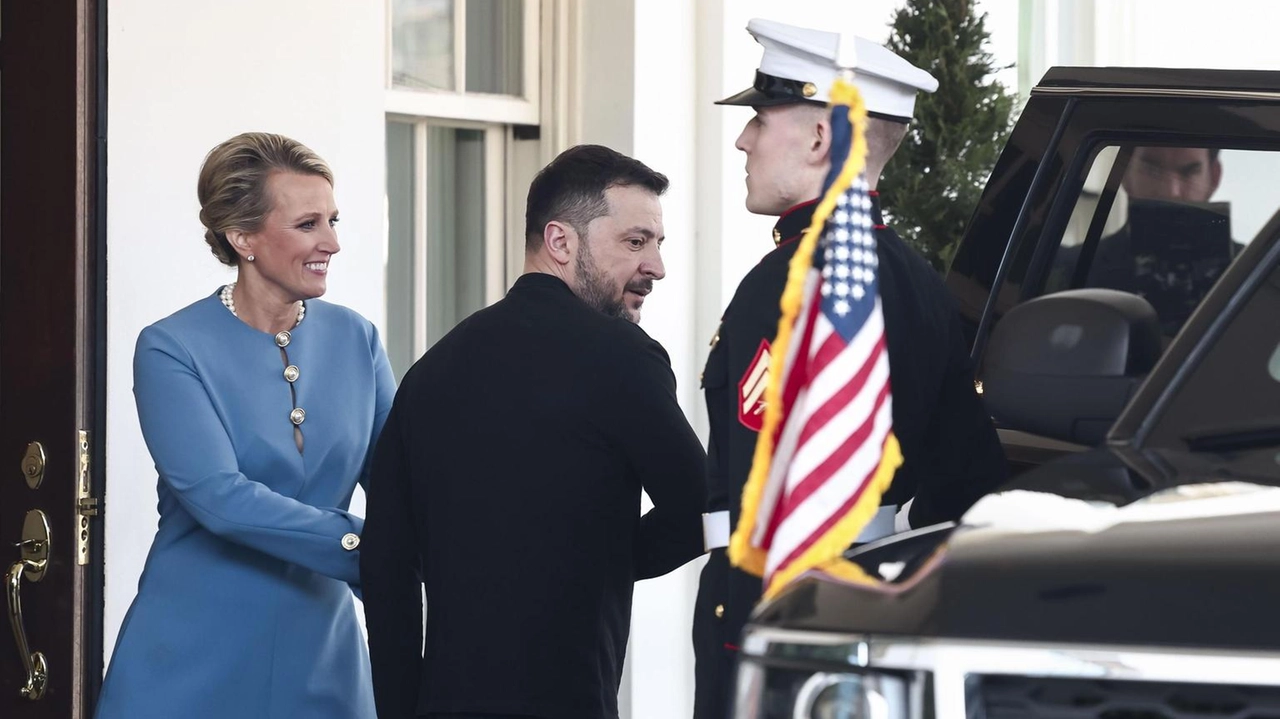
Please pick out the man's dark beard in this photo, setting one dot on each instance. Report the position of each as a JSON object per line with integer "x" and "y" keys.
{"x": 594, "y": 288}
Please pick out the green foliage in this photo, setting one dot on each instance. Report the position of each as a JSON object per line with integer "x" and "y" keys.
{"x": 934, "y": 181}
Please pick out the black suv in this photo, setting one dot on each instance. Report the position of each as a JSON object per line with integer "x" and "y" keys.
{"x": 1121, "y": 284}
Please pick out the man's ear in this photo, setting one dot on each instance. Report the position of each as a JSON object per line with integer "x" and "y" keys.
{"x": 560, "y": 241}
{"x": 820, "y": 143}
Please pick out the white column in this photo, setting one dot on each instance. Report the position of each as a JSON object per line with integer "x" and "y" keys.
{"x": 664, "y": 114}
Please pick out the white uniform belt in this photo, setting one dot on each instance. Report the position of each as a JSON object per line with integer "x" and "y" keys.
{"x": 715, "y": 527}
{"x": 715, "y": 530}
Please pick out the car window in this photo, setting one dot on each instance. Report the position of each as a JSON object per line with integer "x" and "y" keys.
{"x": 1233, "y": 393}
{"x": 1163, "y": 222}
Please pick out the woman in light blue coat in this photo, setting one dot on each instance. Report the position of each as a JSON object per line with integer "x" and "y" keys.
{"x": 260, "y": 405}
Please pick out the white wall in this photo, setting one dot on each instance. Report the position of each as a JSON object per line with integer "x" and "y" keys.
{"x": 1229, "y": 34}
{"x": 607, "y": 73}
{"x": 664, "y": 115}
{"x": 182, "y": 77}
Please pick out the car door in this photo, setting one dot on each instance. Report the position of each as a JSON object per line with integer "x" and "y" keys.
{"x": 1068, "y": 191}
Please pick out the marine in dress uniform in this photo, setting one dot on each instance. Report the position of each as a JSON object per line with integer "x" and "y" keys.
{"x": 952, "y": 455}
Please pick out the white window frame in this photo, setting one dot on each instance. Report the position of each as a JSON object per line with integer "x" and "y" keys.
{"x": 473, "y": 106}
{"x": 507, "y": 172}
{"x": 495, "y": 228}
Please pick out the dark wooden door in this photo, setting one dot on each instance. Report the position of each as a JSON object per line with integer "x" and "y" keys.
{"x": 52, "y": 334}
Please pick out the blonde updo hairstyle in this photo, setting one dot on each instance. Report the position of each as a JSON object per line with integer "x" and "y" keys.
{"x": 233, "y": 184}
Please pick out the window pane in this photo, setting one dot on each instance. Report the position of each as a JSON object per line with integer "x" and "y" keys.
{"x": 400, "y": 260}
{"x": 422, "y": 44}
{"x": 455, "y": 227}
{"x": 1162, "y": 219}
{"x": 495, "y": 46}
{"x": 1236, "y": 387}
{"x": 1164, "y": 222}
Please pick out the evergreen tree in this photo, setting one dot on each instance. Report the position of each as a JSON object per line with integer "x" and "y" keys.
{"x": 932, "y": 184}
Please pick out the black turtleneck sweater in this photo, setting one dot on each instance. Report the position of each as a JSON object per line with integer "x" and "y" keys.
{"x": 507, "y": 483}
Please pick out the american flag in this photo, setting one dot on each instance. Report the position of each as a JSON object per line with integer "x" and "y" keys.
{"x": 827, "y": 451}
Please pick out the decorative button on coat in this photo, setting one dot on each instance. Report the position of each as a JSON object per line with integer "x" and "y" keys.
{"x": 350, "y": 541}
{"x": 298, "y": 415}
{"x": 282, "y": 339}
{"x": 291, "y": 373}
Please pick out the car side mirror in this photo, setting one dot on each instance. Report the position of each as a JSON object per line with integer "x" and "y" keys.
{"x": 1064, "y": 365}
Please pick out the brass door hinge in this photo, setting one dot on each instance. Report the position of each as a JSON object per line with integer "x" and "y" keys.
{"x": 86, "y": 504}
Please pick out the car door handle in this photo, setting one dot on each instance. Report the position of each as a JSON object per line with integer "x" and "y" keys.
{"x": 34, "y": 561}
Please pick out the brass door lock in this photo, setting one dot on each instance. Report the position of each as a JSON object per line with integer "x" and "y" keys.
{"x": 33, "y": 465}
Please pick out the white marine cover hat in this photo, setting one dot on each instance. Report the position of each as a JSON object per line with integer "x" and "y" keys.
{"x": 799, "y": 65}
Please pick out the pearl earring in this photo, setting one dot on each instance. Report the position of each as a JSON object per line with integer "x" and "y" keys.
{"x": 249, "y": 258}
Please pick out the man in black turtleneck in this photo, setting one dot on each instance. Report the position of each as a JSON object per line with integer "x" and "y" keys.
{"x": 952, "y": 455}
{"x": 505, "y": 488}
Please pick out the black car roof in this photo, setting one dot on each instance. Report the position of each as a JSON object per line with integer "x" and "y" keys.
{"x": 1156, "y": 78}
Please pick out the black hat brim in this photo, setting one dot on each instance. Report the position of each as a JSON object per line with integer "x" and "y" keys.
{"x": 752, "y": 97}
{"x": 770, "y": 90}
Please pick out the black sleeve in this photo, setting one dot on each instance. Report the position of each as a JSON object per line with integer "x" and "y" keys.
{"x": 966, "y": 460}
{"x": 717, "y": 488}
{"x": 390, "y": 571}
{"x": 665, "y": 453}
{"x": 714, "y": 378}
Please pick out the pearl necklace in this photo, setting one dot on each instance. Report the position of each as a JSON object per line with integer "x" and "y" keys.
{"x": 228, "y": 301}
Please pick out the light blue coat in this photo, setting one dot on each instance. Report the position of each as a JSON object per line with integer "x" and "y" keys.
{"x": 244, "y": 607}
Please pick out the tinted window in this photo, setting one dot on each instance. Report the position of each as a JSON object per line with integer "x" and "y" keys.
{"x": 1163, "y": 222}
{"x": 1073, "y": 167}
{"x": 1236, "y": 386}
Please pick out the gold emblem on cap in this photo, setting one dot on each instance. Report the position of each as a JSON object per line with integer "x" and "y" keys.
{"x": 809, "y": 89}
